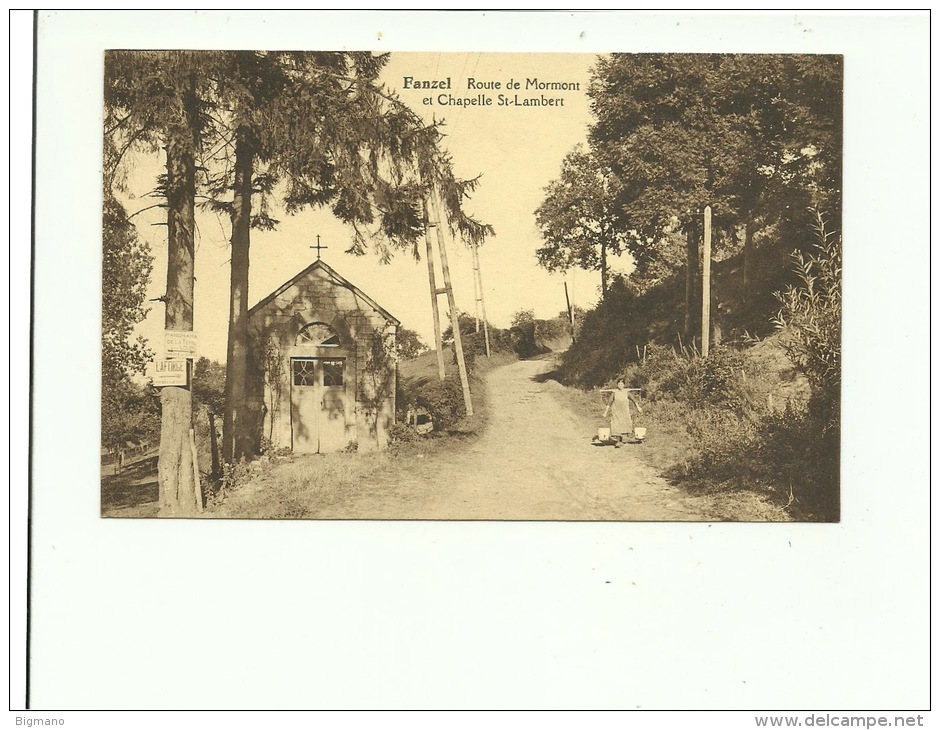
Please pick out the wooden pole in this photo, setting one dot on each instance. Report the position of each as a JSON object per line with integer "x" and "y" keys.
{"x": 455, "y": 323}
{"x": 476, "y": 288}
{"x": 706, "y": 281}
{"x": 438, "y": 342}
{"x": 197, "y": 486}
{"x": 479, "y": 279}
{"x": 570, "y": 312}
{"x": 214, "y": 447}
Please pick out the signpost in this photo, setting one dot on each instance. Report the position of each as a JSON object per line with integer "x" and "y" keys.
{"x": 180, "y": 343}
{"x": 170, "y": 372}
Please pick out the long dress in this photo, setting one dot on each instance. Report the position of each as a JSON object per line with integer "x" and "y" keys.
{"x": 620, "y": 420}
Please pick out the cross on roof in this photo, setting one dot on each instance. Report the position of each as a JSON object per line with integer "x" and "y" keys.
{"x": 318, "y": 247}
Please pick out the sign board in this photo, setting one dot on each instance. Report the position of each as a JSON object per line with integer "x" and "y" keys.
{"x": 180, "y": 342}
{"x": 169, "y": 372}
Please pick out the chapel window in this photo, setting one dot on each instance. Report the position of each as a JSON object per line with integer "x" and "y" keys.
{"x": 318, "y": 334}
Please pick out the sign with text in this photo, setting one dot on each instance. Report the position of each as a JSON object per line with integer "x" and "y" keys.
{"x": 169, "y": 372}
{"x": 180, "y": 342}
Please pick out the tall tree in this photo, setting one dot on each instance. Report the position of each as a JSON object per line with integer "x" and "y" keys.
{"x": 157, "y": 100}
{"x": 579, "y": 220}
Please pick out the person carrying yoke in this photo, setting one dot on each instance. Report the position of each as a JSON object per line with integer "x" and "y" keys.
{"x": 621, "y": 423}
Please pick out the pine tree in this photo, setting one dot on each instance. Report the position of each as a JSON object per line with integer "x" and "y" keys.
{"x": 154, "y": 101}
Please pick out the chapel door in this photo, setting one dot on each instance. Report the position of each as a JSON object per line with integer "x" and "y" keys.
{"x": 318, "y": 404}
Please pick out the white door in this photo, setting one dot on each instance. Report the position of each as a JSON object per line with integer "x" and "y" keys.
{"x": 318, "y": 404}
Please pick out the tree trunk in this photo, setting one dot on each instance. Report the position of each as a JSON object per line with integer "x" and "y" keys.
{"x": 236, "y": 433}
{"x": 691, "y": 276}
{"x": 177, "y": 491}
{"x": 603, "y": 269}
{"x": 748, "y": 263}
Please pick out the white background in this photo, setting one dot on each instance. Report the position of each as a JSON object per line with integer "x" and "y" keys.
{"x": 305, "y": 615}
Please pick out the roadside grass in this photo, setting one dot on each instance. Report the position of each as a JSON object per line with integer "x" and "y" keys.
{"x": 323, "y": 485}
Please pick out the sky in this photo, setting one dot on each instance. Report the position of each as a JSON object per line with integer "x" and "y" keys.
{"x": 516, "y": 151}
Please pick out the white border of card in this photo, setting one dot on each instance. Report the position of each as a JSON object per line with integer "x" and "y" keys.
{"x": 228, "y": 615}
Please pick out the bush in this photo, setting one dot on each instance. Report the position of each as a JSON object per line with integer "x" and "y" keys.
{"x": 794, "y": 448}
{"x": 717, "y": 380}
{"x": 402, "y": 433}
{"x": 810, "y": 316}
{"x": 443, "y": 400}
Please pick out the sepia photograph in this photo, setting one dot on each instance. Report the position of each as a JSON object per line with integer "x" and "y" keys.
{"x": 471, "y": 286}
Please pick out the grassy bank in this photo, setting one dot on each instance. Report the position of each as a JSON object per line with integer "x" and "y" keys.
{"x": 669, "y": 448}
{"x": 738, "y": 428}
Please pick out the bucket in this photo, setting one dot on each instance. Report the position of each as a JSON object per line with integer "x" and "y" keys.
{"x": 639, "y": 433}
{"x": 603, "y": 434}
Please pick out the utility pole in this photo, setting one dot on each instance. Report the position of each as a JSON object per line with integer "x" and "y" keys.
{"x": 438, "y": 342}
{"x": 570, "y": 311}
{"x": 706, "y": 281}
{"x": 478, "y": 289}
{"x": 449, "y": 291}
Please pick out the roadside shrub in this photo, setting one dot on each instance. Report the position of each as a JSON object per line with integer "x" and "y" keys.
{"x": 810, "y": 317}
{"x": 795, "y": 450}
{"x": 716, "y": 380}
{"x": 233, "y": 476}
{"x": 653, "y": 375}
{"x": 402, "y": 433}
{"x": 443, "y": 400}
{"x": 723, "y": 444}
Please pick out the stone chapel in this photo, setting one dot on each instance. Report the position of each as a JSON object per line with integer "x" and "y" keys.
{"x": 323, "y": 366}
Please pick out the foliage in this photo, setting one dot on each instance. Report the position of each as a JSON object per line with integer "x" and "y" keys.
{"x": 409, "y": 344}
{"x": 750, "y": 135}
{"x": 467, "y": 324}
{"x": 234, "y": 475}
{"x": 811, "y": 316}
{"x": 126, "y": 268}
{"x": 443, "y": 400}
{"x": 579, "y": 220}
{"x": 402, "y": 433}
{"x": 716, "y": 380}
{"x": 209, "y": 384}
{"x": 474, "y": 341}
{"x": 129, "y": 415}
{"x": 736, "y": 438}
{"x": 522, "y": 317}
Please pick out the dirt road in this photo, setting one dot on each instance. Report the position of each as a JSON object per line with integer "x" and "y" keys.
{"x": 534, "y": 461}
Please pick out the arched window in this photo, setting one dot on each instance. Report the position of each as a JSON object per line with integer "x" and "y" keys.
{"x": 318, "y": 334}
